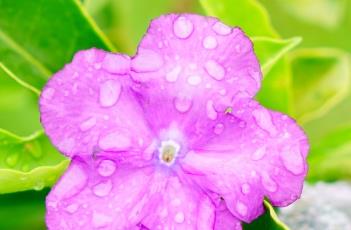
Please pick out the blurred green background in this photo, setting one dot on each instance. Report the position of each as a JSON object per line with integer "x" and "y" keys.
{"x": 303, "y": 46}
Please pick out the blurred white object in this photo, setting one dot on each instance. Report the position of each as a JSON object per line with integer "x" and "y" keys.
{"x": 323, "y": 206}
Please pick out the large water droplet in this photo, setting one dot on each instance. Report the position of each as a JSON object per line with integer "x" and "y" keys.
{"x": 292, "y": 159}
{"x": 100, "y": 220}
{"x": 116, "y": 63}
{"x": 48, "y": 93}
{"x": 215, "y": 70}
{"x": 268, "y": 183}
{"x": 209, "y": 42}
{"x": 71, "y": 208}
{"x": 221, "y": 28}
{"x": 173, "y": 75}
{"x": 210, "y": 110}
{"x": 218, "y": 129}
{"x": 109, "y": 93}
{"x": 115, "y": 141}
{"x": 194, "y": 80}
{"x": 259, "y": 153}
{"x": 88, "y": 124}
{"x": 264, "y": 120}
{"x": 241, "y": 208}
{"x": 147, "y": 61}
{"x": 103, "y": 189}
{"x": 245, "y": 188}
{"x": 182, "y": 104}
{"x": 106, "y": 168}
{"x": 179, "y": 217}
{"x": 183, "y": 27}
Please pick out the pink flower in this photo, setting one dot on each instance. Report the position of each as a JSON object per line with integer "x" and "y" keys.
{"x": 170, "y": 138}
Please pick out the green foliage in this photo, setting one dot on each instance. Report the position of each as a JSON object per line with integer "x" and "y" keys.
{"x": 37, "y": 38}
{"x": 28, "y": 163}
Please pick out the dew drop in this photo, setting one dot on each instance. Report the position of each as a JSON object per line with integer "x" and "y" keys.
{"x": 218, "y": 129}
{"x": 182, "y": 104}
{"x": 72, "y": 208}
{"x": 268, "y": 183}
{"x": 116, "y": 63}
{"x": 87, "y": 124}
{"x": 110, "y": 91}
{"x": 39, "y": 185}
{"x": 221, "y": 28}
{"x": 34, "y": 148}
{"x": 48, "y": 93}
{"x": 215, "y": 70}
{"x": 209, "y": 42}
{"x": 179, "y": 217}
{"x": 115, "y": 141}
{"x": 103, "y": 189}
{"x": 241, "y": 208}
{"x": 106, "y": 168}
{"x": 264, "y": 120}
{"x": 173, "y": 75}
{"x": 147, "y": 61}
{"x": 176, "y": 202}
{"x": 211, "y": 112}
{"x": 194, "y": 80}
{"x": 259, "y": 153}
{"x": 66, "y": 145}
{"x": 183, "y": 27}
{"x": 245, "y": 188}
{"x": 292, "y": 159}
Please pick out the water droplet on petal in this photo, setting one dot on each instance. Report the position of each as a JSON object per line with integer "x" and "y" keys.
{"x": 103, "y": 189}
{"x": 48, "y": 93}
{"x": 109, "y": 93}
{"x": 106, "y": 168}
{"x": 268, "y": 183}
{"x": 173, "y": 75}
{"x": 215, "y": 70}
{"x": 72, "y": 208}
{"x": 218, "y": 129}
{"x": 245, "y": 188}
{"x": 66, "y": 145}
{"x": 183, "y": 27}
{"x": 264, "y": 120}
{"x": 87, "y": 124}
{"x": 176, "y": 202}
{"x": 221, "y": 28}
{"x": 100, "y": 220}
{"x": 211, "y": 112}
{"x": 116, "y": 63}
{"x": 241, "y": 208}
{"x": 182, "y": 104}
{"x": 147, "y": 61}
{"x": 194, "y": 80}
{"x": 115, "y": 141}
{"x": 292, "y": 159}
{"x": 179, "y": 217}
{"x": 209, "y": 42}
{"x": 259, "y": 153}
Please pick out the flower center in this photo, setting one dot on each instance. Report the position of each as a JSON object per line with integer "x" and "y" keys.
{"x": 168, "y": 152}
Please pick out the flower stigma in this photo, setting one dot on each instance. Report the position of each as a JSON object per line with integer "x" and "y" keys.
{"x": 168, "y": 152}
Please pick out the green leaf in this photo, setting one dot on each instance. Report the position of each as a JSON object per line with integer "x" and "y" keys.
{"x": 125, "y": 22}
{"x": 250, "y": 15}
{"x": 268, "y": 221}
{"x": 275, "y": 92}
{"x": 330, "y": 158}
{"x": 270, "y": 50}
{"x": 28, "y": 207}
{"x": 37, "y": 38}
{"x": 28, "y": 163}
{"x": 321, "y": 80}
{"x": 18, "y": 104}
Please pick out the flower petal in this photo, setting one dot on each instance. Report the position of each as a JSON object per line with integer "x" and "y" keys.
{"x": 257, "y": 153}
{"x": 226, "y": 221}
{"x": 89, "y": 106}
{"x": 98, "y": 194}
{"x": 180, "y": 206}
{"x": 191, "y": 65}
